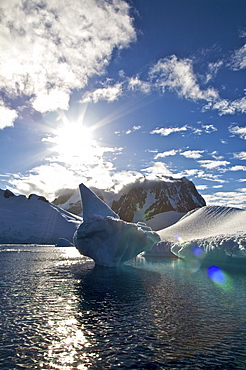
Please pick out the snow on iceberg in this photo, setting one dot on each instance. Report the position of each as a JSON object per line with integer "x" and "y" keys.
{"x": 105, "y": 238}
{"x": 209, "y": 233}
{"x": 34, "y": 221}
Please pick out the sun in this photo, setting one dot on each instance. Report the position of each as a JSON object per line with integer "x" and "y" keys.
{"x": 72, "y": 139}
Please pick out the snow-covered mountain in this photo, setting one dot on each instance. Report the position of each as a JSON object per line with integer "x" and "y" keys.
{"x": 159, "y": 203}
{"x": 142, "y": 200}
{"x": 147, "y": 198}
{"x": 33, "y": 220}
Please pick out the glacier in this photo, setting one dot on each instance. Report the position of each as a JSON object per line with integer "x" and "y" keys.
{"x": 105, "y": 238}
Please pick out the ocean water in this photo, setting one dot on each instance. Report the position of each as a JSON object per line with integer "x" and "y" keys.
{"x": 59, "y": 311}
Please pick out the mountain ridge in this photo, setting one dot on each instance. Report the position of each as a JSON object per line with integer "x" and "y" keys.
{"x": 143, "y": 199}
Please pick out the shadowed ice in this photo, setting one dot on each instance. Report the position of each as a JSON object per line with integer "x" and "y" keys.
{"x": 105, "y": 238}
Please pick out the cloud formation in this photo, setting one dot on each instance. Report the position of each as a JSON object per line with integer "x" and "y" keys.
{"x": 194, "y": 154}
{"x": 166, "y": 154}
{"x": 109, "y": 93}
{"x": 237, "y": 130}
{"x": 213, "y": 164}
{"x": 240, "y": 155}
{"x": 165, "y": 131}
{"x": 7, "y": 116}
{"x": 178, "y": 75}
{"x": 225, "y": 106}
{"x": 230, "y": 198}
{"x": 49, "y": 48}
{"x": 239, "y": 58}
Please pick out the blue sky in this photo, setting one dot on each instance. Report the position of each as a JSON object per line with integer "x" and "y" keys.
{"x": 104, "y": 92}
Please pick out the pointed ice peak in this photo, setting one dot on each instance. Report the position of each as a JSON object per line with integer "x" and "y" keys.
{"x": 93, "y": 205}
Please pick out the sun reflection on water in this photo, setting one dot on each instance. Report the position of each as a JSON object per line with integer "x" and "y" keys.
{"x": 69, "y": 341}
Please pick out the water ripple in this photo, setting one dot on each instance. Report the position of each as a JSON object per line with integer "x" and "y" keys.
{"x": 58, "y": 311}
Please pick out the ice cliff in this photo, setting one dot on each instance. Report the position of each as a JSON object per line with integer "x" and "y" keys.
{"x": 105, "y": 238}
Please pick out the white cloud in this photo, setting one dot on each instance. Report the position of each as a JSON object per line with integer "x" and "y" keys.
{"x": 228, "y": 107}
{"x": 197, "y": 173}
{"x": 135, "y": 84}
{"x": 201, "y": 187}
{"x": 213, "y": 70}
{"x": 217, "y": 186}
{"x": 47, "y": 178}
{"x": 205, "y": 129}
{"x": 51, "y": 101}
{"x": 135, "y": 128}
{"x": 165, "y": 131}
{"x": 158, "y": 169}
{"x": 50, "y": 47}
{"x": 240, "y": 155}
{"x": 209, "y": 128}
{"x": 166, "y": 154}
{"x": 223, "y": 141}
{"x": 211, "y": 164}
{"x": 7, "y": 116}
{"x": 237, "y": 130}
{"x": 237, "y": 168}
{"x": 109, "y": 93}
{"x": 228, "y": 199}
{"x": 239, "y": 58}
{"x": 178, "y": 75}
{"x": 215, "y": 155}
{"x": 195, "y": 154}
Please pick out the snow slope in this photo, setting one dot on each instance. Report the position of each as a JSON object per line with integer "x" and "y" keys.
{"x": 213, "y": 232}
{"x": 32, "y": 220}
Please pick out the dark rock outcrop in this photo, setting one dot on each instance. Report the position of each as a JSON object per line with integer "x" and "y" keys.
{"x": 8, "y": 194}
{"x": 154, "y": 197}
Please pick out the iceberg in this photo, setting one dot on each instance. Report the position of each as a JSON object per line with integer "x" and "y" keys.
{"x": 34, "y": 220}
{"x": 63, "y": 242}
{"x": 105, "y": 238}
{"x": 211, "y": 233}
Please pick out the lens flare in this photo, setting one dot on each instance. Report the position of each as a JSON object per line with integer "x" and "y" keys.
{"x": 198, "y": 252}
{"x": 178, "y": 237}
{"x": 216, "y": 275}
{"x": 220, "y": 278}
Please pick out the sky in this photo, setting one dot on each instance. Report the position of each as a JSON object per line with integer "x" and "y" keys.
{"x": 105, "y": 92}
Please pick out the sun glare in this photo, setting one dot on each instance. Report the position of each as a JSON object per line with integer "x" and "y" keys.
{"x": 72, "y": 139}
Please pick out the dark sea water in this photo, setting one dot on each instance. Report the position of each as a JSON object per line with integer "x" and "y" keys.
{"x": 58, "y": 311}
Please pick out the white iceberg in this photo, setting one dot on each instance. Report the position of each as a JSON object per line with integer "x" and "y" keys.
{"x": 105, "y": 238}
{"x": 34, "y": 221}
{"x": 211, "y": 233}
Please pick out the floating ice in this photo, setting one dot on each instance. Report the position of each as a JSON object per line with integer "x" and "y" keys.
{"x": 105, "y": 238}
{"x": 63, "y": 242}
{"x": 211, "y": 233}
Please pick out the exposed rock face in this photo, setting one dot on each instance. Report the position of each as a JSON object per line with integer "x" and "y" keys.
{"x": 8, "y": 194}
{"x": 149, "y": 198}
{"x": 141, "y": 200}
{"x": 70, "y": 201}
{"x": 39, "y": 197}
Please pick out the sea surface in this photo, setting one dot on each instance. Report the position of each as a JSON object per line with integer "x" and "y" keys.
{"x": 59, "y": 311}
